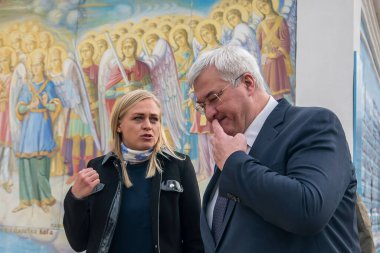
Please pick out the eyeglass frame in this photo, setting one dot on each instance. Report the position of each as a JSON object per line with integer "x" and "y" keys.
{"x": 201, "y": 107}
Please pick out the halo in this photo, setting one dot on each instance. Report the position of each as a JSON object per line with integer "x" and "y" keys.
{"x": 125, "y": 37}
{"x": 84, "y": 42}
{"x": 13, "y": 55}
{"x": 241, "y": 9}
{"x": 174, "y": 30}
{"x": 203, "y": 23}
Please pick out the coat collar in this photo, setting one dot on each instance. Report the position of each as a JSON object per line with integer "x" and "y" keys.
{"x": 109, "y": 156}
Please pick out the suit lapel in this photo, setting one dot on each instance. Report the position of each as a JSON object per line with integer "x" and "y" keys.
{"x": 269, "y": 131}
{"x": 205, "y": 229}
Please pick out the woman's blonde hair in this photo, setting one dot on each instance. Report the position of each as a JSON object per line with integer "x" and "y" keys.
{"x": 161, "y": 147}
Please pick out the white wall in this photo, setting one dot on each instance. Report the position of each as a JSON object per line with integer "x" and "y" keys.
{"x": 325, "y": 58}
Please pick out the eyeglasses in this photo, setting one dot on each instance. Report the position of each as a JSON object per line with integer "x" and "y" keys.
{"x": 215, "y": 98}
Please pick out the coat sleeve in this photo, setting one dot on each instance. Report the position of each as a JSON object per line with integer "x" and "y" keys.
{"x": 190, "y": 206}
{"x": 317, "y": 173}
{"x": 76, "y": 220}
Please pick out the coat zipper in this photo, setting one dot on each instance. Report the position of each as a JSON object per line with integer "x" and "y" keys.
{"x": 158, "y": 215}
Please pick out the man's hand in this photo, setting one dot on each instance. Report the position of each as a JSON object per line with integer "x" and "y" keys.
{"x": 85, "y": 182}
{"x": 224, "y": 145}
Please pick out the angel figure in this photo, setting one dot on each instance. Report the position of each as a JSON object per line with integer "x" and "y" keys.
{"x": 29, "y": 43}
{"x": 15, "y": 41}
{"x": 217, "y": 15}
{"x": 126, "y": 73}
{"x": 274, "y": 41}
{"x": 69, "y": 85}
{"x": 207, "y": 36}
{"x": 236, "y": 18}
{"x": 208, "y": 33}
{"x": 159, "y": 57}
{"x": 79, "y": 144}
{"x": 102, "y": 46}
{"x": 45, "y": 41}
{"x": 8, "y": 60}
{"x": 184, "y": 58}
{"x": 36, "y": 109}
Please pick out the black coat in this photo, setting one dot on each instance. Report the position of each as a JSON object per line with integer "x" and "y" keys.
{"x": 90, "y": 222}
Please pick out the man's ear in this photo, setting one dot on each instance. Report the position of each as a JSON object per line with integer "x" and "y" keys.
{"x": 250, "y": 83}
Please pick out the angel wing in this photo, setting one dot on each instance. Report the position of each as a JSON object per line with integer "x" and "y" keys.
{"x": 105, "y": 66}
{"x": 165, "y": 82}
{"x": 196, "y": 47}
{"x": 17, "y": 82}
{"x": 244, "y": 36}
{"x": 77, "y": 95}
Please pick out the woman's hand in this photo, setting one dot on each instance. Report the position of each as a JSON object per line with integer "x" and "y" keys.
{"x": 85, "y": 183}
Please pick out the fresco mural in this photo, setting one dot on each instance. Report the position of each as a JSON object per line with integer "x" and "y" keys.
{"x": 64, "y": 64}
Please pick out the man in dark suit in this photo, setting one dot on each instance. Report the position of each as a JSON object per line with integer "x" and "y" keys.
{"x": 284, "y": 180}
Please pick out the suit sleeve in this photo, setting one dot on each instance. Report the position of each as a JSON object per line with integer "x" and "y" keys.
{"x": 190, "y": 206}
{"x": 76, "y": 220}
{"x": 317, "y": 173}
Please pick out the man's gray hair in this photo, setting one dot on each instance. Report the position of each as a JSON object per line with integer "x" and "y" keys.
{"x": 230, "y": 61}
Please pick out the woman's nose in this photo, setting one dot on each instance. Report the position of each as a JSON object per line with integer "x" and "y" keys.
{"x": 146, "y": 124}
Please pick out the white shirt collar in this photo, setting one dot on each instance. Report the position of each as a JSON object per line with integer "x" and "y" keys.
{"x": 254, "y": 128}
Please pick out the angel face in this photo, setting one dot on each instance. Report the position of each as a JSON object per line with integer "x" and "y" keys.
{"x": 56, "y": 62}
{"x": 37, "y": 68}
{"x": 15, "y": 43}
{"x": 128, "y": 48}
{"x": 208, "y": 34}
{"x": 140, "y": 127}
{"x": 102, "y": 46}
{"x": 87, "y": 51}
{"x": 151, "y": 41}
{"x": 180, "y": 38}
{"x": 30, "y": 45}
{"x": 264, "y": 7}
{"x": 114, "y": 37}
{"x": 193, "y": 24}
{"x": 139, "y": 32}
{"x": 218, "y": 17}
{"x": 5, "y": 64}
{"x": 234, "y": 18}
{"x": 44, "y": 41}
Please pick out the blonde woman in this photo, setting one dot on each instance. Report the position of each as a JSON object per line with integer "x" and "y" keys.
{"x": 142, "y": 196}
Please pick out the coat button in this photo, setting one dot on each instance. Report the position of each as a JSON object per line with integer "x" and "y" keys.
{"x": 156, "y": 246}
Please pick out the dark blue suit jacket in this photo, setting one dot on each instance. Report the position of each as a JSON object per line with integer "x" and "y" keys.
{"x": 294, "y": 192}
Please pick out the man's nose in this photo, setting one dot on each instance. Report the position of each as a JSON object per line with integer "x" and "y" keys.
{"x": 210, "y": 112}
